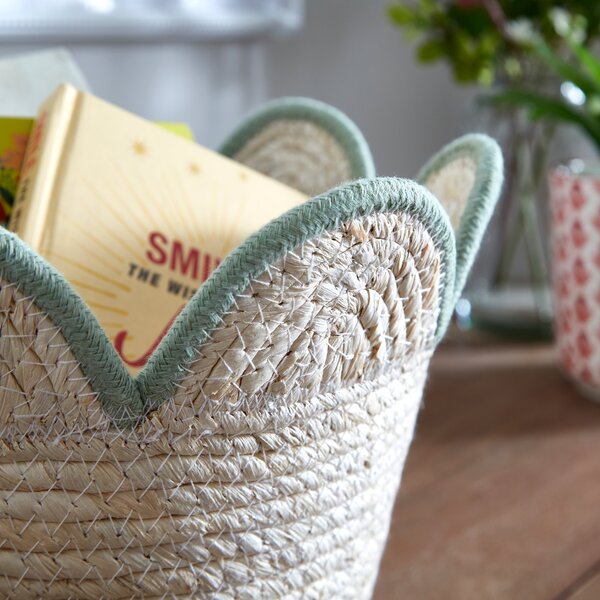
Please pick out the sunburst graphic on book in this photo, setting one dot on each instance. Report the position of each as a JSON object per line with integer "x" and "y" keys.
{"x": 135, "y": 217}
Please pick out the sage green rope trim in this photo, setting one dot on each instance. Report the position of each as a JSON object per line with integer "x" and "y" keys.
{"x": 102, "y": 365}
{"x": 489, "y": 175}
{"x": 327, "y": 212}
{"x": 124, "y": 398}
{"x": 335, "y": 122}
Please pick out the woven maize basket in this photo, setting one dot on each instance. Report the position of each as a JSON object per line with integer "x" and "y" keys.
{"x": 259, "y": 452}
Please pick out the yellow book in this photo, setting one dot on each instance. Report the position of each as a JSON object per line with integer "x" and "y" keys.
{"x": 135, "y": 217}
{"x": 14, "y": 133}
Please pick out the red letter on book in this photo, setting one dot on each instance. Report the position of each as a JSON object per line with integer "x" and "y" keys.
{"x": 186, "y": 263}
{"x": 155, "y": 238}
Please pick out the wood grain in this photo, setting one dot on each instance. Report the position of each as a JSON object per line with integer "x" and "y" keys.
{"x": 501, "y": 493}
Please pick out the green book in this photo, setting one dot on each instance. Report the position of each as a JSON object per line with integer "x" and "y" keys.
{"x": 14, "y": 133}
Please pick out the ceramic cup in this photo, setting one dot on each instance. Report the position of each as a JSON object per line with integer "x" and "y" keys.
{"x": 575, "y": 255}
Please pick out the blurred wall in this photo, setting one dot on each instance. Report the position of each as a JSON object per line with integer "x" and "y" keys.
{"x": 349, "y": 55}
{"x": 209, "y": 86}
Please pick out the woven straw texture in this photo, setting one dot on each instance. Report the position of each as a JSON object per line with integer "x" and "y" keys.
{"x": 303, "y": 143}
{"x": 270, "y": 473}
{"x": 466, "y": 177}
{"x": 258, "y": 454}
{"x": 298, "y": 153}
{"x": 452, "y": 184}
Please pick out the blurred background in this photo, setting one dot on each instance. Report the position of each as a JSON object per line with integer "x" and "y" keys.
{"x": 224, "y": 58}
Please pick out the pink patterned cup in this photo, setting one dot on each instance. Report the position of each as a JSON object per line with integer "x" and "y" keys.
{"x": 575, "y": 251}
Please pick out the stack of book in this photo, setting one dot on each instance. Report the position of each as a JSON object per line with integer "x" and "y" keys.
{"x": 134, "y": 214}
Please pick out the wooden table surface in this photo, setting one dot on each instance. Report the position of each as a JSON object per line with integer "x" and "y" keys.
{"x": 500, "y": 497}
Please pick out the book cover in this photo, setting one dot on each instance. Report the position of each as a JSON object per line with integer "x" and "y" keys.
{"x": 14, "y": 135}
{"x": 135, "y": 217}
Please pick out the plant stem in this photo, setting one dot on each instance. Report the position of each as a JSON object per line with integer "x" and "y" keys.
{"x": 531, "y": 156}
{"x": 504, "y": 212}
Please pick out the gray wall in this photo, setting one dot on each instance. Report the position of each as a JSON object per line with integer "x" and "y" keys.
{"x": 349, "y": 55}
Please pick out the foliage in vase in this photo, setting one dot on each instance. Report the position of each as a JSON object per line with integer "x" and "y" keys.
{"x": 481, "y": 39}
{"x": 579, "y": 74}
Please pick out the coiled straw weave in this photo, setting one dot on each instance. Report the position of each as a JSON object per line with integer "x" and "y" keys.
{"x": 264, "y": 453}
{"x": 270, "y": 473}
{"x": 298, "y": 153}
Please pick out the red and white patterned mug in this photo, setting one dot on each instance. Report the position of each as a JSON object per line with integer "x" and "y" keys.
{"x": 575, "y": 253}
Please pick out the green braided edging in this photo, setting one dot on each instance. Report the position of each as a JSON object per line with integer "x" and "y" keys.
{"x": 335, "y": 122}
{"x": 324, "y": 213}
{"x": 489, "y": 175}
{"x": 124, "y": 398}
{"x": 35, "y": 278}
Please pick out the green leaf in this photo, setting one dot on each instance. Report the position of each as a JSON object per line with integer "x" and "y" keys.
{"x": 593, "y": 106}
{"x": 486, "y": 76}
{"x": 465, "y": 72}
{"x": 474, "y": 20}
{"x": 563, "y": 68}
{"x": 512, "y": 67}
{"x": 590, "y": 63}
{"x": 400, "y": 14}
{"x": 429, "y": 8}
{"x": 430, "y": 51}
{"x": 544, "y": 107}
